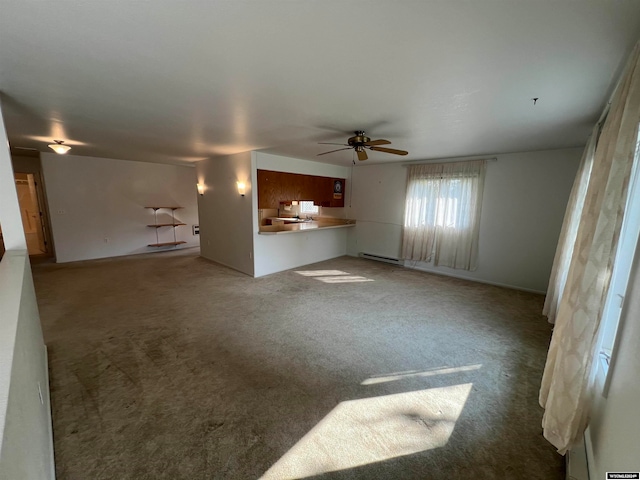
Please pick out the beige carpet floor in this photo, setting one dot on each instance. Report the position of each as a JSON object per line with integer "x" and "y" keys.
{"x": 170, "y": 366}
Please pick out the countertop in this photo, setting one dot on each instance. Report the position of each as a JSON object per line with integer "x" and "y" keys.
{"x": 321, "y": 224}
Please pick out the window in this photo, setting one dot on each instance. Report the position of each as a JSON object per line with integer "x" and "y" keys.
{"x": 308, "y": 207}
{"x": 442, "y": 213}
{"x": 621, "y": 272}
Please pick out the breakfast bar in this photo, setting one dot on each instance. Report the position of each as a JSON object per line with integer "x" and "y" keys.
{"x": 279, "y": 227}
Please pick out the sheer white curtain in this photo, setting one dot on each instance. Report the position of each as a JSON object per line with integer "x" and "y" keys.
{"x": 442, "y": 213}
{"x": 567, "y": 239}
{"x": 564, "y": 393}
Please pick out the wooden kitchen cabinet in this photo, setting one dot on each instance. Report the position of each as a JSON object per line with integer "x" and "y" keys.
{"x": 276, "y": 187}
{"x": 270, "y": 189}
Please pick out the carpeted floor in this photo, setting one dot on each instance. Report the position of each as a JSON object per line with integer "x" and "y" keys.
{"x": 170, "y": 366}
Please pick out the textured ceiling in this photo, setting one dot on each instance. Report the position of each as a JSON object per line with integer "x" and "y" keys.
{"x": 175, "y": 81}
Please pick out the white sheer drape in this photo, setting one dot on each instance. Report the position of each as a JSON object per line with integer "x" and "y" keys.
{"x": 442, "y": 213}
{"x": 564, "y": 392}
{"x": 567, "y": 239}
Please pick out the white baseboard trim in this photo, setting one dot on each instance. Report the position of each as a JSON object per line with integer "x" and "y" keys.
{"x": 479, "y": 280}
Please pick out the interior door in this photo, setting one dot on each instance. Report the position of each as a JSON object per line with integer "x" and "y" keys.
{"x": 31, "y": 213}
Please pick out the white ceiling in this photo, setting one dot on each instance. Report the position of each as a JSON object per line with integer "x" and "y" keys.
{"x": 172, "y": 81}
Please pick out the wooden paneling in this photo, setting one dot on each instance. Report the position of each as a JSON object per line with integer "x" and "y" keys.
{"x": 276, "y": 187}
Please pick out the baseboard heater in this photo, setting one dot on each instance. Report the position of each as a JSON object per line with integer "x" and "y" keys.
{"x": 380, "y": 258}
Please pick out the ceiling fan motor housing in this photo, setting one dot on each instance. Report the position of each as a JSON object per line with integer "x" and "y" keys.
{"x": 359, "y": 139}
{"x": 360, "y": 143}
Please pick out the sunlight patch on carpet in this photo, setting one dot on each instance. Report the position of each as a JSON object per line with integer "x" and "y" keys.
{"x": 344, "y": 279}
{"x": 320, "y": 273}
{"x": 392, "y": 377}
{"x": 333, "y": 276}
{"x": 369, "y": 430}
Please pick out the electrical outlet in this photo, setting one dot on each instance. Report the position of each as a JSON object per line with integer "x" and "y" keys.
{"x": 106, "y": 239}
{"x": 61, "y": 211}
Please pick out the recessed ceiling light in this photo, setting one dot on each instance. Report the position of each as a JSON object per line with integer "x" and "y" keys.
{"x": 58, "y": 147}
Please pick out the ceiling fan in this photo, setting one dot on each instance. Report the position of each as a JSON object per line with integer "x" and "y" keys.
{"x": 360, "y": 142}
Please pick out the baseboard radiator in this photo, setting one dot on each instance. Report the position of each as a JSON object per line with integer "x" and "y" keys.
{"x": 381, "y": 258}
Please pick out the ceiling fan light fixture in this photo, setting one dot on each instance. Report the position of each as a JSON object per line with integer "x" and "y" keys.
{"x": 59, "y": 147}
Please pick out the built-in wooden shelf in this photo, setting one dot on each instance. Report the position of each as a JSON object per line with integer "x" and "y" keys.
{"x": 166, "y": 225}
{"x": 173, "y": 224}
{"x": 166, "y": 244}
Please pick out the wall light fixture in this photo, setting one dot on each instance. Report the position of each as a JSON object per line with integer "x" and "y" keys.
{"x": 200, "y": 188}
{"x": 241, "y": 188}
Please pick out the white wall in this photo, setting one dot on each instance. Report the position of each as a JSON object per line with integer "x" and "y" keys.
{"x": 523, "y": 207}
{"x": 226, "y": 218}
{"x": 26, "y": 441}
{"x": 10, "y": 219}
{"x": 278, "y": 163}
{"x": 275, "y": 253}
{"x": 93, "y": 199}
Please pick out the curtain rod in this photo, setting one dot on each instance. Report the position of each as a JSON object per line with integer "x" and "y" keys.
{"x": 448, "y": 160}
{"x": 623, "y": 70}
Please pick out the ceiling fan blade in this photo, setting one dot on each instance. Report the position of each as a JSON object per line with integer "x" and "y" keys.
{"x": 362, "y": 155}
{"x": 338, "y": 150}
{"x": 389, "y": 150}
{"x": 328, "y": 143}
{"x": 377, "y": 142}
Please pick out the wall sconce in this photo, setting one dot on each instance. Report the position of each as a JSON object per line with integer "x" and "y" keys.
{"x": 241, "y": 188}
{"x": 200, "y": 188}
